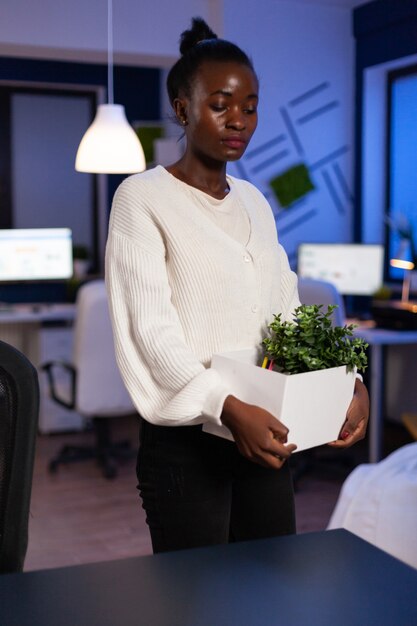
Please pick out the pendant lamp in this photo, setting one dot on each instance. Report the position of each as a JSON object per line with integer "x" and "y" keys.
{"x": 110, "y": 145}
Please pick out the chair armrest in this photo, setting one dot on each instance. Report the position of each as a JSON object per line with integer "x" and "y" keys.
{"x": 50, "y": 368}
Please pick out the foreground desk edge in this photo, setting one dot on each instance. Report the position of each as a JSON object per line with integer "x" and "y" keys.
{"x": 325, "y": 578}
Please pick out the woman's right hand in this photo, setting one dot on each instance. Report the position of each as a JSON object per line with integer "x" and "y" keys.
{"x": 259, "y": 436}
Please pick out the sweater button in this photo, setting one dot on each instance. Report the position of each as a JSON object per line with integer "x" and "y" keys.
{"x": 247, "y": 258}
{"x": 255, "y": 308}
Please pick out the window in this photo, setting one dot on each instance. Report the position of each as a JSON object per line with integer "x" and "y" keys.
{"x": 401, "y": 196}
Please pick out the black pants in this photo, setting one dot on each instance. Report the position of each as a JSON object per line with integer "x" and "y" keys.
{"x": 198, "y": 490}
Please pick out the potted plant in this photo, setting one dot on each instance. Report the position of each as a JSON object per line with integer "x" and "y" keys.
{"x": 81, "y": 260}
{"x": 310, "y": 343}
{"x": 310, "y": 379}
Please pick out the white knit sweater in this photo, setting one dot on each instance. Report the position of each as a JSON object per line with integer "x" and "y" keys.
{"x": 181, "y": 289}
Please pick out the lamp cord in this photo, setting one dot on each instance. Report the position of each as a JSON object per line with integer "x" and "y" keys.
{"x": 110, "y": 51}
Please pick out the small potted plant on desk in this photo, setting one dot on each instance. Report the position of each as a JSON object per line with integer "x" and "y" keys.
{"x": 81, "y": 259}
{"x": 81, "y": 266}
{"x": 307, "y": 375}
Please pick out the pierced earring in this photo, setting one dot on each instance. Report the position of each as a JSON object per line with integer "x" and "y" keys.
{"x": 184, "y": 122}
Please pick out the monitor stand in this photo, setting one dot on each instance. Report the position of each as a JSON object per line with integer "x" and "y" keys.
{"x": 358, "y": 307}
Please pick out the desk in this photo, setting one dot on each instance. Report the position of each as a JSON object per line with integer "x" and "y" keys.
{"x": 42, "y": 332}
{"x": 28, "y": 313}
{"x": 330, "y": 578}
{"x": 377, "y": 339}
{"x": 20, "y": 324}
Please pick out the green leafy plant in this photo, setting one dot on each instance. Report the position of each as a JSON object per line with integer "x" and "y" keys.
{"x": 79, "y": 251}
{"x": 310, "y": 342}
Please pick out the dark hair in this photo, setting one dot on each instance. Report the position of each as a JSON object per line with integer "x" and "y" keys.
{"x": 198, "y": 45}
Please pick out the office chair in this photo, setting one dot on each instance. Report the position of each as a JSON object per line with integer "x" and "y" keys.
{"x": 312, "y": 291}
{"x": 19, "y": 410}
{"x": 95, "y": 390}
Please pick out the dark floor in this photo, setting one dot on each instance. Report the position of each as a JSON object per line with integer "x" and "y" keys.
{"x": 77, "y": 516}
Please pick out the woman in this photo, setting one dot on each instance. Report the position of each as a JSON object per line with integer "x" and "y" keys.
{"x": 193, "y": 267}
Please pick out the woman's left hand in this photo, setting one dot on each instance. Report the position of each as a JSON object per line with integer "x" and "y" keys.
{"x": 354, "y": 428}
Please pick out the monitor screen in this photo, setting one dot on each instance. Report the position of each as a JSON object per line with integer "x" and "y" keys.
{"x": 355, "y": 269}
{"x": 31, "y": 254}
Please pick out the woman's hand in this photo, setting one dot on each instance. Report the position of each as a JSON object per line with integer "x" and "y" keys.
{"x": 354, "y": 428}
{"x": 259, "y": 436}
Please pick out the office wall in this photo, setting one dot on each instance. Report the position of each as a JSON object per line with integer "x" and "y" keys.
{"x": 304, "y": 55}
{"x": 78, "y": 29}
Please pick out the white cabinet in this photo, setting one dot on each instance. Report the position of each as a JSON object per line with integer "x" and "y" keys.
{"x": 55, "y": 343}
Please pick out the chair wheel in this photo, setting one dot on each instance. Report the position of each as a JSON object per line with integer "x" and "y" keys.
{"x": 53, "y": 467}
{"x": 109, "y": 471}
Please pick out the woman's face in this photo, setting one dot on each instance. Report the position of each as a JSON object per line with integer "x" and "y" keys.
{"x": 221, "y": 111}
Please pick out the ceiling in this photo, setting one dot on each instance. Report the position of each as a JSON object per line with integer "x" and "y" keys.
{"x": 346, "y": 4}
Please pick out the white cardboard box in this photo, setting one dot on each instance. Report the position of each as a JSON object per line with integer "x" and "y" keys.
{"x": 312, "y": 405}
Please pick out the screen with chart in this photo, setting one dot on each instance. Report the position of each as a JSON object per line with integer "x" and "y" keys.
{"x": 355, "y": 269}
{"x": 35, "y": 254}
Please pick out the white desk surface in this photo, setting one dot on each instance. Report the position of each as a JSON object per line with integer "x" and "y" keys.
{"x": 382, "y": 336}
{"x": 33, "y": 313}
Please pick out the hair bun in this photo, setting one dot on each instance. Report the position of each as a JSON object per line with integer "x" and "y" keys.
{"x": 199, "y": 31}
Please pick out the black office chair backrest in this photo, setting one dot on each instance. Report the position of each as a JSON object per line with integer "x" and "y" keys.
{"x": 19, "y": 410}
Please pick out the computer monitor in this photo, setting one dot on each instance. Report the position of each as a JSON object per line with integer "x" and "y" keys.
{"x": 35, "y": 254}
{"x": 355, "y": 269}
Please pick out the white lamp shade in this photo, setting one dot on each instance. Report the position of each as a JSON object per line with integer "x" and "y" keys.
{"x": 402, "y": 264}
{"x": 403, "y": 258}
{"x": 110, "y": 145}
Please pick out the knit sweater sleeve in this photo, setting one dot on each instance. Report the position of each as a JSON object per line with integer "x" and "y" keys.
{"x": 289, "y": 288}
{"x": 167, "y": 383}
